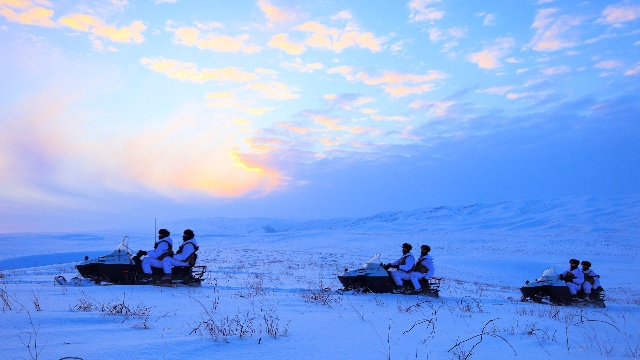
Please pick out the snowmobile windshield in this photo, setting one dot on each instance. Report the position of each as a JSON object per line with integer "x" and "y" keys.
{"x": 375, "y": 261}
{"x": 548, "y": 275}
{"x": 123, "y": 247}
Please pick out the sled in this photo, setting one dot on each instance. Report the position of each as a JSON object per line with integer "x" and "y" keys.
{"x": 373, "y": 278}
{"x": 549, "y": 289}
{"x": 120, "y": 267}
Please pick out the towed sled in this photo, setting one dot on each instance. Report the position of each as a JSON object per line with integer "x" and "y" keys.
{"x": 373, "y": 278}
{"x": 549, "y": 289}
{"x": 122, "y": 268}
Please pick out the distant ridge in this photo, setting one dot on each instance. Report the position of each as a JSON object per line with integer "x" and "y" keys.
{"x": 588, "y": 213}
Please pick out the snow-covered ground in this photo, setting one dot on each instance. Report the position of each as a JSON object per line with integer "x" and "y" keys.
{"x": 271, "y": 288}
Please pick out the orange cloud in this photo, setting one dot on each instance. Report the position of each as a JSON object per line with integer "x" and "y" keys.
{"x": 298, "y": 65}
{"x": 347, "y": 101}
{"x": 490, "y": 56}
{"x": 274, "y": 90}
{"x": 420, "y": 12}
{"x": 433, "y": 108}
{"x": 187, "y": 71}
{"x": 329, "y": 122}
{"x": 620, "y": 13}
{"x": 190, "y": 36}
{"x": 321, "y": 36}
{"x": 282, "y": 42}
{"x": 294, "y": 128}
{"x": 186, "y": 158}
{"x": 389, "y": 118}
{"x": 633, "y": 71}
{"x": 553, "y": 32}
{"x": 275, "y": 14}
{"x": 608, "y": 64}
{"x": 394, "y": 83}
{"x": 95, "y": 26}
{"x": 228, "y": 100}
{"x": 27, "y": 13}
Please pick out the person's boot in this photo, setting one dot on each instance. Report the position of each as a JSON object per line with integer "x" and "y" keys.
{"x": 399, "y": 290}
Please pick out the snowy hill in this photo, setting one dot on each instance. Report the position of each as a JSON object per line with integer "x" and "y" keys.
{"x": 277, "y": 280}
{"x": 555, "y": 215}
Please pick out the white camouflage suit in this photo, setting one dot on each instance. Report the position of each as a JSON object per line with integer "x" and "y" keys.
{"x": 415, "y": 276}
{"x": 187, "y": 248}
{"x": 151, "y": 260}
{"x": 575, "y": 284}
{"x": 587, "y": 285}
{"x": 405, "y": 264}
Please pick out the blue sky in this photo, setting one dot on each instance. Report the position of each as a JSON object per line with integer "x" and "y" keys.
{"x": 118, "y": 112}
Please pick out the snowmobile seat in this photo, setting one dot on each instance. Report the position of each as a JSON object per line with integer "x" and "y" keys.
{"x": 430, "y": 286}
{"x": 190, "y": 271}
{"x": 432, "y": 283}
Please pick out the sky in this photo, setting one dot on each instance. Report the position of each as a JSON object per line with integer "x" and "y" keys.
{"x": 120, "y": 113}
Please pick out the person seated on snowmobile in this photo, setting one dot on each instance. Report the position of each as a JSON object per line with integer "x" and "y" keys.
{"x": 423, "y": 269}
{"x": 183, "y": 256}
{"x": 162, "y": 248}
{"x": 591, "y": 279}
{"x": 403, "y": 266}
{"x": 573, "y": 277}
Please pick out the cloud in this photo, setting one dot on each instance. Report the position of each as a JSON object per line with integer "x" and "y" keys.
{"x": 320, "y": 36}
{"x": 27, "y": 13}
{"x": 331, "y": 123}
{"x": 323, "y": 37}
{"x": 342, "y": 15}
{"x": 620, "y": 13}
{"x": 95, "y": 26}
{"x": 487, "y": 19}
{"x": 347, "y": 101}
{"x": 297, "y": 129}
{"x": 48, "y": 158}
{"x": 420, "y": 12}
{"x": 229, "y": 100}
{"x": 298, "y": 65}
{"x": 553, "y": 31}
{"x": 274, "y": 14}
{"x": 449, "y": 36}
{"x": 274, "y": 90}
{"x": 186, "y": 71}
{"x": 633, "y": 71}
{"x": 282, "y": 42}
{"x": 389, "y": 118}
{"x": 37, "y": 150}
{"x": 514, "y": 96}
{"x": 394, "y": 83}
{"x": 209, "y": 165}
{"x": 190, "y": 36}
{"x": 490, "y": 56}
{"x": 497, "y": 90}
{"x": 555, "y": 70}
{"x": 432, "y": 108}
{"x": 608, "y": 64}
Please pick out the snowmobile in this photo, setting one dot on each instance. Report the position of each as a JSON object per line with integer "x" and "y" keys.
{"x": 121, "y": 267}
{"x": 372, "y": 277}
{"x": 550, "y": 289}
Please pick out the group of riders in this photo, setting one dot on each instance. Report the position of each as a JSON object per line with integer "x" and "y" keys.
{"x": 162, "y": 256}
{"x": 581, "y": 282}
{"x": 408, "y": 268}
